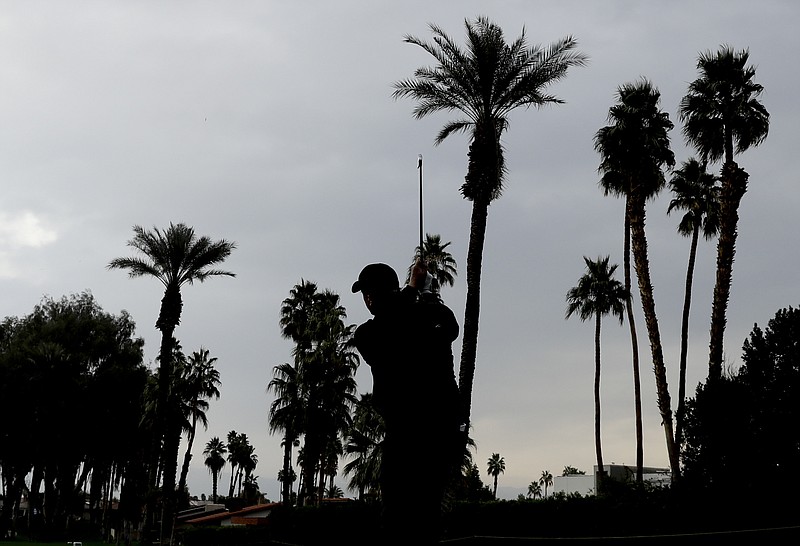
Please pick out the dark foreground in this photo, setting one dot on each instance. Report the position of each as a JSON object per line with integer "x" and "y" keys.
{"x": 760, "y": 537}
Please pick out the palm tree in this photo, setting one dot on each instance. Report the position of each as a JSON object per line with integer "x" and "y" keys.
{"x": 286, "y": 415}
{"x": 215, "y": 461}
{"x": 546, "y": 480}
{"x": 634, "y": 148}
{"x": 324, "y": 368}
{"x": 696, "y": 192}
{"x": 721, "y": 117}
{"x": 199, "y": 384}
{"x": 484, "y": 82}
{"x": 597, "y": 294}
{"x": 441, "y": 264}
{"x": 237, "y": 452}
{"x": 364, "y": 443}
{"x": 496, "y": 465}
{"x": 176, "y": 257}
{"x": 534, "y": 490}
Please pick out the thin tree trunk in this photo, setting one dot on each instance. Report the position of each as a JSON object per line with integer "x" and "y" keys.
{"x": 687, "y": 302}
{"x": 637, "y": 383}
{"x": 187, "y": 457}
{"x": 286, "y": 492}
{"x": 639, "y": 243}
{"x": 469, "y": 343}
{"x": 597, "y": 442}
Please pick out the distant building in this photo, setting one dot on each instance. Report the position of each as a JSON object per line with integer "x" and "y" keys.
{"x": 586, "y": 485}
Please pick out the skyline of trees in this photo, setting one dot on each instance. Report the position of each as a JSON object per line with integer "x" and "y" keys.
{"x": 316, "y": 393}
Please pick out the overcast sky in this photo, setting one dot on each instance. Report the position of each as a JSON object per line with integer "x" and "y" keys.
{"x": 271, "y": 124}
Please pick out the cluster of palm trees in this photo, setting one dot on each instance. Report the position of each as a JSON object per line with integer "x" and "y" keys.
{"x": 316, "y": 392}
{"x": 490, "y": 78}
{"x": 720, "y": 113}
{"x": 242, "y": 458}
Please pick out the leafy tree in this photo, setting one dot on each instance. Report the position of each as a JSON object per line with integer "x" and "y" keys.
{"x": 69, "y": 362}
{"x": 634, "y": 148}
{"x": 176, "y": 257}
{"x": 597, "y": 294}
{"x": 694, "y": 191}
{"x": 496, "y": 465}
{"x": 759, "y": 429}
{"x": 484, "y": 82}
{"x": 572, "y": 471}
{"x": 546, "y": 480}
{"x": 721, "y": 117}
{"x": 214, "y": 453}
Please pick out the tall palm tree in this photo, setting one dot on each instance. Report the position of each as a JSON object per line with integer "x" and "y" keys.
{"x": 496, "y": 465}
{"x": 200, "y": 383}
{"x": 441, "y": 264}
{"x": 214, "y": 452}
{"x": 597, "y": 294}
{"x": 619, "y": 187}
{"x": 695, "y": 191}
{"x": 546, "y": 480}
{"x": 484, "y": 82}
{"x": 176, "y": 257}
{"x": 634, "y": 149}
{"x": 721, "y": 117}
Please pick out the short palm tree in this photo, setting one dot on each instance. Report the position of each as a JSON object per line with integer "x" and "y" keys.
{"x": 441, "y": 264}
{"x": 176, "y": 257}
{"x": 534, "y": 490}
{"x": 286, "y": 415}
{"x": 634, "y": 149}
{"x": 484, "y": 82}
{"x": 365, "y": 446}
{"x": 695, "y": 191}
{"x": 597, "y": 294}
{"x": 199, "y": 383}
{"x": 496, "y": 465}
{"x": 546, "y": 480}
{"x": 214, "y": 453}
{"x": 721, "y": 117}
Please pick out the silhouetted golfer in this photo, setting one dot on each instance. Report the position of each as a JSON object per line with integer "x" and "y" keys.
{"x": 408, "y": 346}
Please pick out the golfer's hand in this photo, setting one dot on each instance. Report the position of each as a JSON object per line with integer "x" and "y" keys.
{"x": 418, "y": 275}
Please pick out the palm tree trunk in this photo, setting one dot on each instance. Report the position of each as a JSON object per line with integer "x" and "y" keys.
{"x": 641, "y": 262}
{"x": 597, "y": 443}
{"x": 469, "y": 344}
{"x": 187, "y": 457}
{"x": 734, "y": 186}
{"x": 637, "y": 383}
{"x": 286, "y": 492}
{"x": 687, "y": 301}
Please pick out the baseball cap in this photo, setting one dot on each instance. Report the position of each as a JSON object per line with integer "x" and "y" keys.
{"x": 376, "y": 278}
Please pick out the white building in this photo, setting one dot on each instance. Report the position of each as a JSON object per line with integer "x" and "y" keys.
{"x": 586, "y": 485}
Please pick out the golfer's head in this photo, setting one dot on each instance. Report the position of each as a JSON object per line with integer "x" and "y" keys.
{"x": 375, "y": 282}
